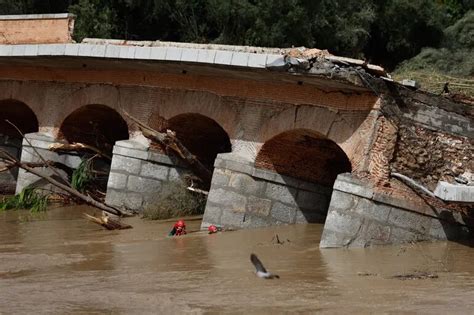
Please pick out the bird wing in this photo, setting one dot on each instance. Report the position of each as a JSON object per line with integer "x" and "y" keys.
{"x": 257, "y": 263}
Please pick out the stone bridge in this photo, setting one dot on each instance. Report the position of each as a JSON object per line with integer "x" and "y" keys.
{"x": 276, "y": 129}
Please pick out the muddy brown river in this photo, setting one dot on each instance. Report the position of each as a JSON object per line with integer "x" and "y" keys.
{"x": 58, "y": 263}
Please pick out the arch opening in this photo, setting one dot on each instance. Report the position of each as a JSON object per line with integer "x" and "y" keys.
{"x": 22, "y": 116}
{"x": 203, "y": 136}
{"x": 98, "y": 126}
{"x": 308, "y": 156}
{"x": 304, "y": 154}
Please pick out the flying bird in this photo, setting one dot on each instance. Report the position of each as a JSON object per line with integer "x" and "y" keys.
{"x": 261, "y": 272}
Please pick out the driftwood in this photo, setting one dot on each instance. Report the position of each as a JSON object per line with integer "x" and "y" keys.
{"x": 107, "y": 222}
{"x": 11, "y": 160}
{"x": 170, "y": 141}
{"x": 76, "y": 146}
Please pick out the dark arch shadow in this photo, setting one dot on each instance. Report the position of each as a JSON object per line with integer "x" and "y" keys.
{"x": 308, "y": 156}
{"x": 22, "y": 116}
{"x": 96, "y": 125}
{"x": 203, "y": 136}
{"x": 99, "y": 126}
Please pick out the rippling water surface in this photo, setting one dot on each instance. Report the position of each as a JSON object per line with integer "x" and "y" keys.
{"x": 58, "y": 263}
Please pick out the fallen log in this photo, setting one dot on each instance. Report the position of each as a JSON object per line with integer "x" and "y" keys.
{"x": 107, "y": 222}
{"x": 89, "y": 200}
{"x": 170, "y": 141}
{"x": 76, "y": 146}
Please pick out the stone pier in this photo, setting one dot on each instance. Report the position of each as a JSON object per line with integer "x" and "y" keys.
{"x": 242, "y": 196}
{"x": 137, "y": 175}
{"x": 8, "y": 178}
{"x": 40, "y": 142}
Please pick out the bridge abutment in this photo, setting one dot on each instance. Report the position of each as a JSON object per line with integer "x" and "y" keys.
{"x": 243, "y": 196}
{"x": 359, "y": 216}
{"x": 8, "y": 178}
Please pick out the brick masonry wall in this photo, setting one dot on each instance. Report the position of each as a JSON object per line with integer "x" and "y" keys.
{"x": 242, "y": 196}
{"x": 358, "y": 216}
{"x": 41, "y": 30}
{"x": 138, "y": 174}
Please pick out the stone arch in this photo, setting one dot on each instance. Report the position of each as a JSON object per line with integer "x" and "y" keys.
{"x": 22, "y": 116}
{"x": 203, "y": 136}
{"x": 304, "y": 154}
{"x": 95, "y": 124}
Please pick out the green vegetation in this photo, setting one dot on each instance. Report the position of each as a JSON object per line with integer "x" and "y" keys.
{"x": 175, "y": 201}
{"x": 28, "y": 198}
{"x": 452, "y": 62}
{"x": 82, "y": 176}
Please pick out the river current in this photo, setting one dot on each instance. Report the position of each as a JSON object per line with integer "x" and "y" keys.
{"x": 59, "y": 263}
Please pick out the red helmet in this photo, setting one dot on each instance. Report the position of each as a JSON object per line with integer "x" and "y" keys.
{"x": 212, "y": 228}
{"x": 180, "y": 224}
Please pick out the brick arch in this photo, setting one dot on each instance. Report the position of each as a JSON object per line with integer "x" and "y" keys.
{"x": 199, "y": 102}
{"x": 304, "y": 154}
{"x": 19, "y": 114}
{"x": 94, "y": 124}
{"x": 203, "y": 136}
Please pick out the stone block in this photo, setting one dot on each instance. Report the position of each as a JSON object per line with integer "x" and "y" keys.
{"x": 372, "y": 210}
{"x": 228, "y": 199}
{"x": 245, "y": 184}
{"x": 347, "y": 224}
{"x": 176, "y": 174}
{"x": 342, "y": 201}
{"x": 347, "y": 185}
{"x": 400, "y": 236}
{"x": 281, "y": 193}
{"x": 283, "y": 213}
{"x": 230, "y": 218}
{"x": 241, "y": 167}
{"x": 127, "y": 52}
{"x": 136, "y": 154}
{"x": 375, "y": 234}
{"x": 161, "y": 158}
{"x": 258, "y": 206}
{"x": 212, "y": 214}
{"x": 143, "y": 185}
{"x": 126, "y": 164}
{"x": 128, "y": 200}
{"x": 409, "y": 220}
{"x": 220, "y": 178}
{"x": 310, "y": 200}
{"x": 117, "y": 181}
{"x": 97, "y": 51}
{"x": 264, "y": 174}
{"x": 154, "y": 170}
{"x": 30, "y": 50}
{"x": 451, "y": 192}
{"x": 71, "y": 50}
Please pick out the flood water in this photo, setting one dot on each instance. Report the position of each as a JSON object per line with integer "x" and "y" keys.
{"x": 58, "y": 263}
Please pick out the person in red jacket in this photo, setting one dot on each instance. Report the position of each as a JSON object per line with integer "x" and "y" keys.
{"x": 179, "y": 228}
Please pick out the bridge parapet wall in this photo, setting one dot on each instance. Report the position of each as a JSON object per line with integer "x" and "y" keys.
{"x": 242, "y": 196}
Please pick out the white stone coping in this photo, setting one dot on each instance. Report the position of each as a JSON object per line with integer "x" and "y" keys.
{"x": 452, "y": 192}
{"x": 37, "y": 16}
{"x": 167, "y": 54}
